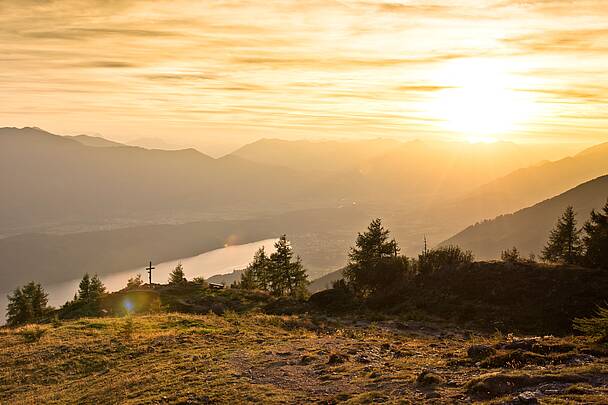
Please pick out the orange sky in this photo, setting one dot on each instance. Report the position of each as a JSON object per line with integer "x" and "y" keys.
{"x": 216, "y": 74}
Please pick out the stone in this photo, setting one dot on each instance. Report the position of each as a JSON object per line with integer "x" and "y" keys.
{"x": 427, "y": 378}
{"x": 480, "y": 352}
{"x": 337, "y": 358}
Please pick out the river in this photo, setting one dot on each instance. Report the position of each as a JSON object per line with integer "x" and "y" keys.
{"x": 218, "y": 261}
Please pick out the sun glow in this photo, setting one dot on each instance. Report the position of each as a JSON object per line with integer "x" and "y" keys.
{"x": 481, "y": 139}
{"x": 480, "y": 100}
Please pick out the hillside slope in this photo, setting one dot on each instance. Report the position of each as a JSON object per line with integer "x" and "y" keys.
{"x": 270, "y": 359}
{"x": 529, "y": 185}
{"x": 528, "y": 229}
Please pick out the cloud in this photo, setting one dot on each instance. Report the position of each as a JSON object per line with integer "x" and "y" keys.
{"x": 573, "y": 40}
{"x": 86, "y": 33}
{"x": 347, "y": 65}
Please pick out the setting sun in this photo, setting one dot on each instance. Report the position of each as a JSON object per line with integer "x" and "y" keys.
{"x": 479, "y": 99}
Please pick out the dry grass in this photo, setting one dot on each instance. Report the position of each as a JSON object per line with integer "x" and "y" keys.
{"x": 178, "y": 358}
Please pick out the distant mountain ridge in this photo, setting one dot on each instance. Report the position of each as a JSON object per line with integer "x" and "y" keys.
{"x": 46, "y": 178}
{"x": 528, "y": 229}
{"x": 526, "y": 186}
{"x": 95, "y": 141}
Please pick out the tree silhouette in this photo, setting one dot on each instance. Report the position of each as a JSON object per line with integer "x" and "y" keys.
{"x": 511, "y": 255}
{"x": 286, "y": 275}
{"x": 248, "y": 281}
{"x": 27, "y": 304}
{"x": 177, "y": 276}
{"x": 595, "y": 241}
{"x": 84, "y": 288}
{"x": 371, "y": 247}
{"x": 564, "y": 243}
{"x": 260, "y": 269}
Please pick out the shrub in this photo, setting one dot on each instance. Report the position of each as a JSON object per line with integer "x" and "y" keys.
{"x": 127, "y": 328}
{"x": 32, "y": 333}
{"x": 200, "y": 281}
{"x": 596, "y": 326}
{"x": 445, "y": 257}
{"x": 511, "y": 255}
{"x": 135, "y": 282}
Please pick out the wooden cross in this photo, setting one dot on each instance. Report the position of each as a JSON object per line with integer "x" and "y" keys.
{"x": 150, "y": 268}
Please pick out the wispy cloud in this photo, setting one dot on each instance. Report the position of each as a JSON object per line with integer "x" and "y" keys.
{"x": 326, "y": 67}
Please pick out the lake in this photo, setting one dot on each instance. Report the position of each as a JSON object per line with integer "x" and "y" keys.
{"x": 218, "y": 261}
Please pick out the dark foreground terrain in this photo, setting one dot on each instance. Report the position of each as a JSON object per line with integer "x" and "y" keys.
{"x": 232, "y": 358}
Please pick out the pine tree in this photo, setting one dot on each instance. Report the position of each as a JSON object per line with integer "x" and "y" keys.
{"x": 286, "y": 277}
{"x": 19, "y": 309}
{"x": 27, "y": 304}
{"x": 564, "y": 243}
{"x": 373, "y": 245}
{"x": 87, "y": 301}
{"x": 177, "y": 276}
{"x": 371, "y": 248}
{"x": 247, "y": 281}
{"x": 84, "y": 288}
{"x": 96, "y": 291}
{"x": 260, "y": 269}
{"x": 595, "y": 241}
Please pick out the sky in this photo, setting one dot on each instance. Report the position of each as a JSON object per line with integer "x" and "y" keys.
{"x": 217, "y": 74}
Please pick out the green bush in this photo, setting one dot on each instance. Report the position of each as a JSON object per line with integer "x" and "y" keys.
{"x": 596, "y": 327}
{"x": 442, "y": 258}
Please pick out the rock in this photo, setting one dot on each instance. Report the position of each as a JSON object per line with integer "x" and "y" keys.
{"x": 362, "y": 359}
{"x": 480, "y": 352}
{"x": 527, "y": 397}
{"x": 306, "y": 360}
{"x": 515, "y": 359}
{"x": 427, "y": 378}
{"x": 493, "y": 385}
{"x": 519, "y": 344}
{"x": 337, "y": 358}
{"x": 283, "y": 354}
{"x": 218, "y": 308}
{"x": 433, "y": 395}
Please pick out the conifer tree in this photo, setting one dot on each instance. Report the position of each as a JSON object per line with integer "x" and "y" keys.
{"x": 177, "y": 276}
{"x": 96, "y": 291}
{"x": 247, "y": 281}
{"x": 595, "y": 241}
{"x": 286, "y": 276}
{"x": 260, "y": 268}
{"x": 564, "y": 243}
{"x": 27, "y": 304}
{"x": 87, "y": 301}
{"x": 84, "y": 288}
{"x": 371, "y": 247}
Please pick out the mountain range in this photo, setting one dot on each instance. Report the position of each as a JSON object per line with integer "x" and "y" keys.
{"x": 67, "y": 198}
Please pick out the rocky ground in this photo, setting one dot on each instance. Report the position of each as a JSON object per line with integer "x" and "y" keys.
{"x": 178, "y": 358}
